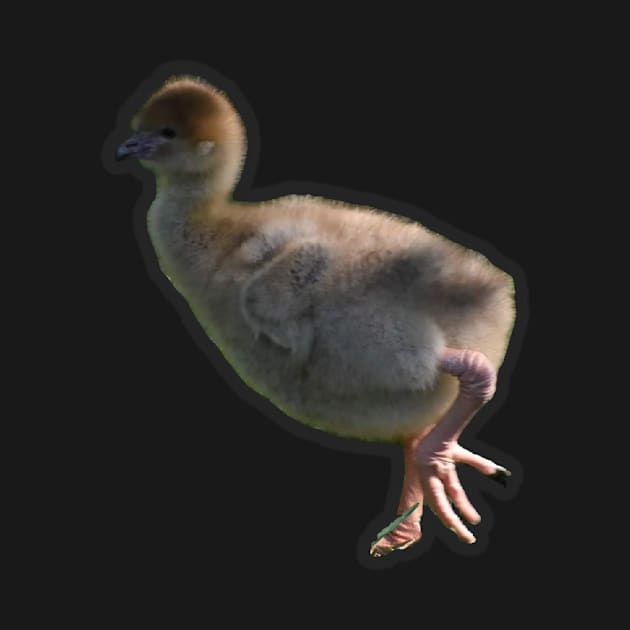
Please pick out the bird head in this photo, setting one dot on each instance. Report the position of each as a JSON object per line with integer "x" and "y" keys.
{"x": 187, "y": 127}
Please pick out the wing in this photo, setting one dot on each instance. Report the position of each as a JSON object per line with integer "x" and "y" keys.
{"x": 277, "y": 301}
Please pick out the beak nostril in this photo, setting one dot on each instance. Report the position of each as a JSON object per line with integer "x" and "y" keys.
{"x": 138, "y": 145}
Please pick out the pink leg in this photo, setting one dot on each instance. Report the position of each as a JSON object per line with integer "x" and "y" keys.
{"x": 430, "y": 457}
{"x": 408, "y": 532}
{"x": 438, "y": 452}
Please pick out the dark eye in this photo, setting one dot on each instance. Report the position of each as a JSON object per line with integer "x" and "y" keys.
{"x": 167, "y": 132}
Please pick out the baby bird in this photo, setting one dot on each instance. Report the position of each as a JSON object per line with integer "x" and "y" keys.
{"x": 349, "y": 319}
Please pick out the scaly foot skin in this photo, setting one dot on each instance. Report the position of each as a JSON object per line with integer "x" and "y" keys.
{"x": 408, "y": 531}
{"x": 405, "y": 535}
{"x": 430, "y": 458}
{"x": 439, "y": 488}
{"x": 441, "y": 484}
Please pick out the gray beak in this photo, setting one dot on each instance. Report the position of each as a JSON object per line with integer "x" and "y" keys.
{"x": 122, "y": 152}
{"x": 141, "y": 145}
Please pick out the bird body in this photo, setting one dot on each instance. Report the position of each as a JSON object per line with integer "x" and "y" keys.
{"x": 348, "y": 318}
{"x": 336, "y": 313}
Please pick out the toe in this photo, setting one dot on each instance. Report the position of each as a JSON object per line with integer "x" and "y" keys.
{"x": 483, "y": 465}
{"x": 382, "y": 548}
{"x": 400, "y": 534}
{"x": 437, "y": 499}
{"x": 454, "y": 490}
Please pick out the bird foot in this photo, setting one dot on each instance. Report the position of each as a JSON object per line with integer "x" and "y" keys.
{"x": 431, "y": 478}
{"x": 400, "y": 534}
{"x": 442, "y": 488}
{"x": 431, "y": 458}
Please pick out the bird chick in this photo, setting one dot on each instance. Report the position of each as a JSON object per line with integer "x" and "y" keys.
{"x": 349, "y": 319}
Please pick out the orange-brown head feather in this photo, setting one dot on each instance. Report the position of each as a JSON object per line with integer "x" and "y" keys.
{"x": 195, "y": 109}
{"x": 189, "y": 126}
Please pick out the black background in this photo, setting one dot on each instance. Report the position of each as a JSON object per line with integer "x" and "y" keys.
{"x": 184, "y": 479}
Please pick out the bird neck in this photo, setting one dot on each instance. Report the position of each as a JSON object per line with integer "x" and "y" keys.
{"x": 185, "y": 206}
{"x": 213, "y": 184}
{"x": 192, "y": 188}
{"x": 177, "y": 221}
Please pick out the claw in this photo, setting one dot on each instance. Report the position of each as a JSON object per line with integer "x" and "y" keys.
{"x": 379, "y": 551}
{"x": 501, "y": 476}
